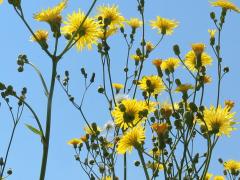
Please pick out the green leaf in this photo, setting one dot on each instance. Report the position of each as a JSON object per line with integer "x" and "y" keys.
{"x": 34, "y": 130}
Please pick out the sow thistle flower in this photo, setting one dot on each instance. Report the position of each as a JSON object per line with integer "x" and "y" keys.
{"x": 212, "y": 33}
{"x": 219, "y": 121}
{"x": 107, "y": 178}
{"x": 118, "y": 87}
{"x": 153, "y": 85}
{"x": 160, "y": 128}
{"x": 91, "y": 131}
{"x": 75, "y": 142}
{"x": 218, "y": 178}
{"x": 183, "y": 88}
{"x": 226, "y": 5}
{"x": 154, "y": 166}
{"x": 164, "y": 26}
{"x": 191, "y": 59}
{"x": 89, "y": 30}
{"x": 167, "y": 109}
{"x": 208, "y": 176}
{"x": 170, "y": 64}
{"x": 51, "y": 15}
{"x": 134, "y": 23}
{"x": 1, "y": 1}
{"x": 230, "y": 104}
{"x": 133, "y": 138}
{"x": 41, "y": 36}
{"x": 207, "y": 79}
{"x": 110, "y": 14}
{"x": 127, "y": 113}
{"x": 232, "y": 166}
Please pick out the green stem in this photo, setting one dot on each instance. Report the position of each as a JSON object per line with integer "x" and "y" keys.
{"x": 125, "y": 166}
{"x": 48, "y": 121}
{"x": 143, "y": 164}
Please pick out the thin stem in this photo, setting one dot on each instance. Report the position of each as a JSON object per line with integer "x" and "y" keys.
{"x": 48, "y": 121}
{"x": 143, "y": 164}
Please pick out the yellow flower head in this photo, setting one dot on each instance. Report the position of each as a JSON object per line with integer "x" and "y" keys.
{"x": 89, "y": 30}
{"x": 157, "y": 62}
{"x": 149, "y": 46}
{"x": 198, "y": 48}
{"x": 107, "y": 178}
{"x": 230, "y": 104}
{"x": 127, "y": 114}
{"x": 1, "y": 1}
{"x": 219, "y": 121}
{"x": 207, "y": 79}
{"x": 134, "y": 23}
{"x": 109, "y": 32}
{"x": 164, "y": 26}
{"x": 155, "y": 153}
{"x": 75, "y": 142}
{"x": 150, "y": 106}
{"x": 160, "y": 128}
{"x": 232, "y": 166}
{"x": 167, "y": 109}
{"x": 133, "y": 138}
{"x": 191, "y": 60}
{"x": 112, "y": 14}
{"x": 208, "y": 176}
{"x": 51, "y": 15}
{"x": 226, "y": 5}
{"x": 153, "y": 85}
{"x": 184, "y": 88}
{"x": 91, "y": 131}
{"x": 212, "y": 33}
{"x": 170, "y": 64}
{"x": 218, "y": 178}
{"x": 41, "y": 36}
{"x": 117, "y": 86}
{"x": 154, "y": 166}
{"x": 135, "y": 57}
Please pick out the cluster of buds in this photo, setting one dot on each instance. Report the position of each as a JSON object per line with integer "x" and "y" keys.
{"x": 22, "y": 59}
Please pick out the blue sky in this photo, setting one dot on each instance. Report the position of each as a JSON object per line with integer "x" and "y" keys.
{"x": 67, "y": 123}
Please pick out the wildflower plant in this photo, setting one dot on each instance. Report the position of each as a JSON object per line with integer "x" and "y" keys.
{"x": 162, "y": 134}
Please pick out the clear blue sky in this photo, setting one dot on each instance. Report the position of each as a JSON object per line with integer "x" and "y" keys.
{"x": 26, "y": 151}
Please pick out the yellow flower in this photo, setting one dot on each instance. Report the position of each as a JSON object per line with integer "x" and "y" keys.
{"x": 232, "y": 166}
{"x": 212, "y": 33}
{"x": 75, "y": 142}
{"x": 109, "y": 32}
{"x": 191, "y": 60}
{"x": 160, "y": 128}
{"x": 134, "y": 23}
{"x": 153, "y": 85}
{"x": 135, "y": 57}
{"x": 167, "y": 109}
{"x": 90, "y": 131}
{"x": 112, "y": 14}
{"x": 218, "y": 178}
{"x": 1, "y": 1}
{"x": 133, "y": 138}
{"x": 150, "y": 106}
{"x": 117, "y": 86}
{"x": 127, "y": 114}
{"x": 198, "y": 48}
{"x": 208, "y": 176}
{"x": 156, "y": 153}
{"x": 164, "y": 26}
{"x": 207, "y": 79}
{"x": 219, "y": 121}
{"x": 89, "y": 30}
{"x": 230, "y": 104}
{"x": 154, "y": 166}
{"x": 41, "y": 36}
{"x": 226, "y": 5}
{"x": 170, "y": 64}
{"x": 107, "y": 178}
{"x": 157, "y": 62}
{"x": 51, "y": 15}
{"x": 184, "y": 88}
{"x": 149, "y": 46}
